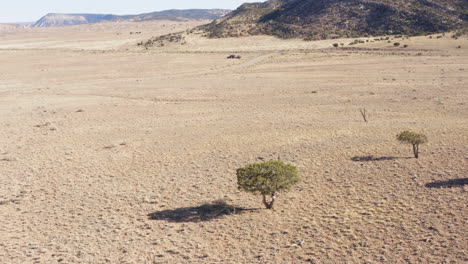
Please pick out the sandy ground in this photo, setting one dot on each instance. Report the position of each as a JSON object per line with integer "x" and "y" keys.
{"x": 113, "y": 154}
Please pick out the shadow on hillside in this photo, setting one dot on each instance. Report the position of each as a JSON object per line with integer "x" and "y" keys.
{"x": 372, "y": 158}
{"x": 205, "y": 212}
{"x": 448, "y": 184}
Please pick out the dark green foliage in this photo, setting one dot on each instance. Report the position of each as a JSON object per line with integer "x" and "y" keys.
{"x": 414, "y": 139}
{"x": 336, "y": 45}
{"x": 267, "y": 179}
{"x": 396, "y": 44}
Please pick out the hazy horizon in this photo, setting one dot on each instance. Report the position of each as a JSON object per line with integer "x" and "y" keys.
{"x": 22, "y": 11}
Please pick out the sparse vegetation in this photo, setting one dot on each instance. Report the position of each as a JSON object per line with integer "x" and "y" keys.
{"x": 163, "y": 40}
{"x": 396, "y": 44}
{"x": 268, "y": 179}
{"x": 312, "y": 20}
{"x": 414, "y": 139}
{"x": 357, "y": 41}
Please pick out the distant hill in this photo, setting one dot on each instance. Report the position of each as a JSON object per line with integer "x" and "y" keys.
{"x": 321, "y": 19}
{"x": 182, "y": 15}
{"x": 58, "y": 20}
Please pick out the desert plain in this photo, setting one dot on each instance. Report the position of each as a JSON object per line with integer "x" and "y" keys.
{"x": 111, "y": 153}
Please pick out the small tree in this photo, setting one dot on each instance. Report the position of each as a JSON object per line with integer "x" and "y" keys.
{"x": 413, "y": 138}
{"x": 267, "y": 179}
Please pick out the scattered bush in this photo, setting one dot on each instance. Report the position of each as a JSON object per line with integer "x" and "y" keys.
{"x": 357, "y": 41}
{"x": 336, "y": 45}
{"x": 457, "y": 35}
{"x": 161, "y": 41}
{"x": 405, "y": 46}
{"x": 396, "y": 44}
{"x": 267, "y": 179}
{"x": 414, "y": 139}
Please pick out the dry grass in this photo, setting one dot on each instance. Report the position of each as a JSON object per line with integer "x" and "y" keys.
{"x": 189, "y": 118}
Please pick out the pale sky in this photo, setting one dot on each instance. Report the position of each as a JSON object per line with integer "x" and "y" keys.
{"x": 32, "y": 10}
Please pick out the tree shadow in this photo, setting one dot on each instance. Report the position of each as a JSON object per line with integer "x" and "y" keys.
{"x": 202, "y": 213}
{"x": 372, "y": 158}
{"x": 448, "y": 184}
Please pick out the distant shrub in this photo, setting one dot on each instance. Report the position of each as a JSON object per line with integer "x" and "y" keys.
{"x": 267, "y": 179}
{"x": 414, "y": 139}
{"x": 405, "y": 46}
{"x": 457, "y": 35}
{"x": 396, "y": 44}
{"x": 336, "y": 45}
{"x": 357, "y": 41}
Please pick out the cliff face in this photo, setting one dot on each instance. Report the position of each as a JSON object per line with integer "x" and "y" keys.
{"x": 320, "y": 19}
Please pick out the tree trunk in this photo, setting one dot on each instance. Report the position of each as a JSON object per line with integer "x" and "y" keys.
{"x": 269, "y": 205}
{"x": 364, "y": 114}
{"x": 416, "y": 150}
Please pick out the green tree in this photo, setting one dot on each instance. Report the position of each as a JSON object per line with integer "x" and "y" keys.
{"x": 414, "y": 139}
{"x": 267, "y": 179}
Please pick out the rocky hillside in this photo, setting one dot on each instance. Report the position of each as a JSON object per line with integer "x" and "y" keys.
{"x": 57, "y": 20}
{"x": 320, "y": 19}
